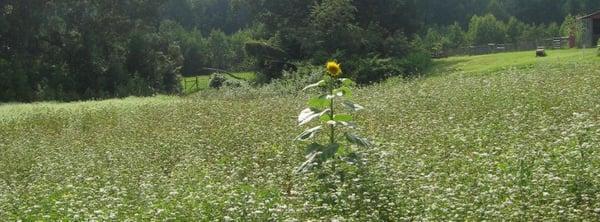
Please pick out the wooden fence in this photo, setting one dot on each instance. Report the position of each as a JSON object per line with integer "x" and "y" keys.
{"x": 553, "y": 43}
{"x": 191, "y": 85}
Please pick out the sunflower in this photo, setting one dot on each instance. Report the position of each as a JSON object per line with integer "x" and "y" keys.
{"x": 334, "y": 69}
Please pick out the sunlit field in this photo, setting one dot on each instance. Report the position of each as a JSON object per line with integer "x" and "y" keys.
{"x": 494, "y": 137}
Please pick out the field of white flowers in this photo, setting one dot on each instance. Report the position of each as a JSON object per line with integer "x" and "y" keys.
{"x": 518, "y": 144}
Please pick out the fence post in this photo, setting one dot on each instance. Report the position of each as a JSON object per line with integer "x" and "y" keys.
{"x": 197, "y": 84}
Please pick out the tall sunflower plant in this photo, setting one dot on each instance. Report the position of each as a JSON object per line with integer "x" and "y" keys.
{"x": 330, "y": 112}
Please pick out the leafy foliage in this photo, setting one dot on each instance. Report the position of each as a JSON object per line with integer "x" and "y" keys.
{"x": 416, "y": 63}
{"x": 333, "y": 28}
{"x": 76, "y": 54}
{"x": 375, "y": 69}
{"x": 486, "y": 29}
{"x": 340, "y": 29}
{"x": 271, "y": 61}
{"x": 216, "y": 81}
{"x": 72, "y": 50}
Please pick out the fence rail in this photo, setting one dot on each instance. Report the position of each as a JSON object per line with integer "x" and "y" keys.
{"x": 191, "y": 85}
{"x": 554, "y": 43}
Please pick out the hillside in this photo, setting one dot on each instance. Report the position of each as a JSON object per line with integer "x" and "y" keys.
{"x": 494, "y": 137}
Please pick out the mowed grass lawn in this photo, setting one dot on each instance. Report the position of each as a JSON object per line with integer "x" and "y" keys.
{"x": 471, "y": 143}
{"x": 491, "y": 63}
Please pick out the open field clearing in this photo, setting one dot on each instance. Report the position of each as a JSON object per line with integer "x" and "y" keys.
{"x": 485, "y": 64}
{"x": 494, "y": 137}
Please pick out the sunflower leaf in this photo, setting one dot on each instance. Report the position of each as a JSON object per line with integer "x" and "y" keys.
{"x": 318, "y": 84}
{"x": 352, "y": 106}
{"x": 309, "y": 114}
{"x": 309, "y": 133}
{"x": 320, "y": 102}
{"x": 352, "y": 138}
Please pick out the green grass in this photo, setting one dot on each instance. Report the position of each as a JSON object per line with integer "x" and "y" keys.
{"x": 502, "y": 61}
{"x": 198, "y": 83}
{"x": 487, "y": 144}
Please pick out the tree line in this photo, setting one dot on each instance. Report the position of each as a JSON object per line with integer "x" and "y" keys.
{"x": 77, "y": 50}
{"x": 487, "y": 29}
{"x": 537, "y": 12}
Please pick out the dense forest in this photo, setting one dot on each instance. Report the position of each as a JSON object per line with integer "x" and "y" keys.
{"x": 82, "y": 49}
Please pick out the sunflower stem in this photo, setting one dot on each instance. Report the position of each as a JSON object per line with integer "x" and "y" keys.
{"x": 331, "y": 112}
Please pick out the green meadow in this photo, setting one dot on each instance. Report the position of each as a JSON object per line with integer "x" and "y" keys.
{"x": 495, "y": 137}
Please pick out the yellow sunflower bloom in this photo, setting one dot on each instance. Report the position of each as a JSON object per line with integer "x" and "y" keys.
{"x": 334, "y": 69}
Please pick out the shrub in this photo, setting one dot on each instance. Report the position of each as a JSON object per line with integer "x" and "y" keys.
{"x": 375, "y": 69}
{"x": 415, "y": 63}
{"x": 304, "y": 74}
{"x": 232, "y": 83}
{"x": 217, "y": 81}
{"x": 294, "y": 80}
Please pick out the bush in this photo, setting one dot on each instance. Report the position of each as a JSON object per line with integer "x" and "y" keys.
{"x": 217, "y": 81}
{"x": 375, "y": 69}
{"x": 415, "y": 63}
{"x": 304, "y": 74}
{"x": 232, "y": 83}
{"x": 294, "y": 80}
